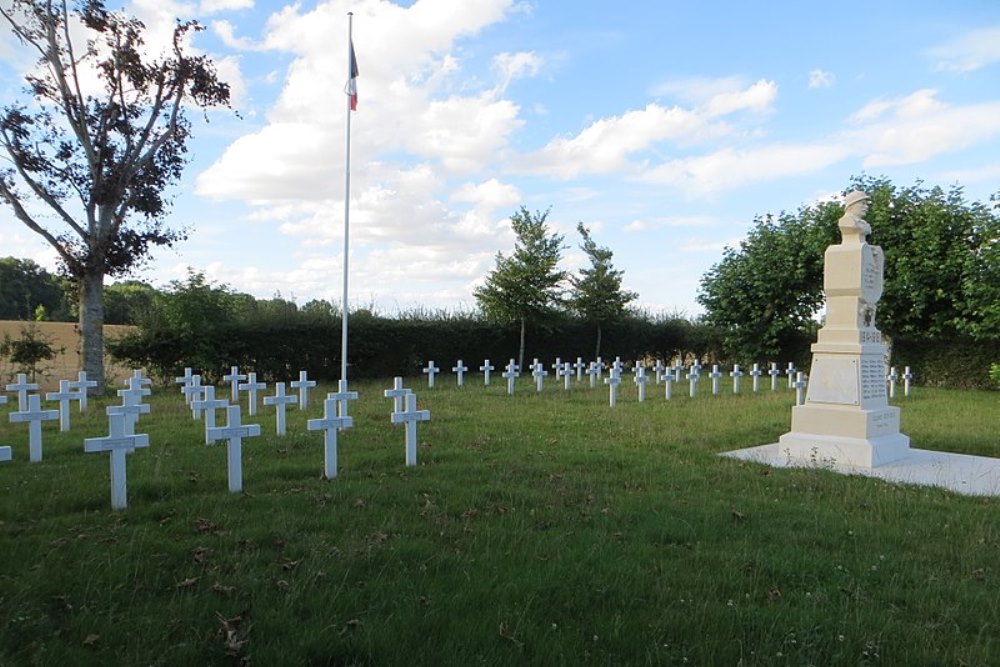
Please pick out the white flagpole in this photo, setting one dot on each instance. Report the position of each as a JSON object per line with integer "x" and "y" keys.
{"x": 347, "y": 213}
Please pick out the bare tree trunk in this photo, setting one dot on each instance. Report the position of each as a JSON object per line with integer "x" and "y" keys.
{"x": 520, "y": 354}
{"x": 597, "y": 348}
{"x": 92, "y": 329}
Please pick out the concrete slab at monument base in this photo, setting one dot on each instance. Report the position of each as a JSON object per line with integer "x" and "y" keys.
{"x": 962, "y": 473}
{"x": 862, "y": 452}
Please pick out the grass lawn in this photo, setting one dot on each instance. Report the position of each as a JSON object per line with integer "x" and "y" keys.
{"x": 544, "y": 529}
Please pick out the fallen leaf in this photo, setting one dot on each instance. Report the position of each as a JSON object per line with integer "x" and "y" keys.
{"x": 91, "y": 639}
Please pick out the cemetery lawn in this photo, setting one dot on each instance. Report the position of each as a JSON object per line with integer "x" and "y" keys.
{"x": 543, "y": 529}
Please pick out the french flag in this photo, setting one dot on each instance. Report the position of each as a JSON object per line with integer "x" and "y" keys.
{"x": 352, "y": 83}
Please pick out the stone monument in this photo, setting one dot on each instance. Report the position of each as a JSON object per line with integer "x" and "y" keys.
{"x": 846, "y": 417}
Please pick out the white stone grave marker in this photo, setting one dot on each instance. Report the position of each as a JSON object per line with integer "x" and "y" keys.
{"x": 234, "y": 432}
{"x": 397, "y": 394}
{"x": 192, "y": 392}
{"x": 82, "y": 384}
{"x": 790, "y": 372}
{"x": 410, "y": 417}
{"x": 342, "y": 396}
{"x": 774, "y": 373}
{"x": 736, "y": 374}
{"x": 907, "y": 381}
{"x": 658, "y": 370}
{"x": 640, "y": 381}
{"x": 613, "y": 380}
{"x": 330, "y": 423}
{"x": 486, "y": 368}
{"x": 33, "y": 415}
{"x": 800, "y": 388}
{"x": 594, "y": 371}
{"x": 892, "y": 379}
{"x": 600, "y": 367}
{"x": 22, "y": 387}
{"x": 64, "y": 396}
{"x": 280, "y": 401}
{"x": 131, "y": 407}
{"x": 137, "y": 379}
{"x": 303, "y": 385}
{"x": 755, "y": 373}
{"x": 118, "y": 442}
{"x": 208, "y": 404}
{"x": 234, "y": 379}
{"x": 693, "y": 381}
{"x": 460, "y": 370}
{"x": 580, "y": 368}
{"x": 716, "y": 376}
{"x": 557, "y": 368}
{"x": 184, "y": 381}
{"x": 668, "y": 382}
{"x": 430, "y": 372}
{"x": 539, "y": 374}
{"x": 510, "y": 374}
{"x": 567, "y": 374}
{"x": 251, "y": 387}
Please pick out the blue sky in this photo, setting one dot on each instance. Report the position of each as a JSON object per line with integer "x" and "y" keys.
{"x": 665, "y": 127}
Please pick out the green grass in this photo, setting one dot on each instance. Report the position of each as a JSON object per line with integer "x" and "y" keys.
{"x": 537, "y": 529}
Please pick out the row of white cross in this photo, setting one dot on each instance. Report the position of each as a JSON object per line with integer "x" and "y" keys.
{"x": 666, "y": 375}
{"x": 122, "y": 438}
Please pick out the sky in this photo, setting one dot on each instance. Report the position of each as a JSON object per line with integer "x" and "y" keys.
{"x": 665, "y": 127}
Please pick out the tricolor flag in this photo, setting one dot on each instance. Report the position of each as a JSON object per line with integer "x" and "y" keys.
{"x": 352, "y": 82}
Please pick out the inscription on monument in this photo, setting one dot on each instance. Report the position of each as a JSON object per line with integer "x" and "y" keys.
{"x": 872, "y": 379}
{"x": 870, "y": 336}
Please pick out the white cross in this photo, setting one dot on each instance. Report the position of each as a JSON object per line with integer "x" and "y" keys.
{"x": 251, "y": 386}
{"x": 64, "y": 396}
{"x": 790, "y": 372}
{"x": 580, "y": 368}
{"x": 600, "y": 368}
{"x": 693, "y": 381}
{"x": 716, "y": 376}
{"x": 233, "y": 379}
{"x": 668, "y": 381}
{"x": 658, "y": 369}
{"x": 892, "y": 378}
{"x": 131, "y": 407}
{"x": 678, "y": 371}
{"x": 617, "y": 365}
{"x": 800, "y": 388}
{"x": 208, "y": 404}
{"x": 397, "y": 393}
{"x": 593, "y": 371}
{"x": 567, "y": 374}
{"x": 22, "y": 387}
{"x": 137, "y": 379}
{"x": 303, "y": 385}
{"x": 613, "y": 380}
{"x": 280, "y": 401}
{"x": 430, "y": 372}
{"x": 234, "y": 432}
{"x": 119, "y": 442}
{"x": 82, "y": 384}
{"x": 539, "y": 374}
{"x": 184, "y": 381}
{"x": 774, "y": 373}
{"x": 342, "y": 396}
{"x": 410, "y": 417}
{"x": 330, "y": 423}
{"x": 511, "y": 374}
{"x": 192, "y": 391}
{"x": 34, "y": 416}
{"x": 640, "y": 381}
{"x": 736, "y": 374}
{"x": 486, "y": 368}
{"x": 907, "y": 380}
{"x": 755, "y": 374}
{"x": 460, "y": 370}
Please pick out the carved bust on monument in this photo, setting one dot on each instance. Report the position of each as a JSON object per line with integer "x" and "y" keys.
{"x": 846, "y": 417}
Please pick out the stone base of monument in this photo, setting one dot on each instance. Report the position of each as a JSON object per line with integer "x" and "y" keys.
{"x": 962, "y": 473}
{"x": 847, "y": 435}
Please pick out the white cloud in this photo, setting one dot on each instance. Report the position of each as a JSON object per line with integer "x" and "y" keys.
{"x": 758, "y": 97}
{"x": 919, "y": 126}
{"x": 215, "y": 6}
{"x": 968, "y": 52}
{"x": 732, "y": 168}
{"x": 644, "y": 225}
{"x": 820, "y": 79}
{"x": 227, "y": 33}
{"x": 510, "y": 66}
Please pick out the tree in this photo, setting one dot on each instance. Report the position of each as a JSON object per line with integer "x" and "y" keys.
{"x": 597, "y": 292}
{"x": 105, "y": 135}
{"x": 24, "y": 287}
{"x": 526, "y": 286}
{"x": 942, "y": 271}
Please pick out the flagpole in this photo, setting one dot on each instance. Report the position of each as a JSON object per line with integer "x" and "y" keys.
{"x": 347, "y": 213}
